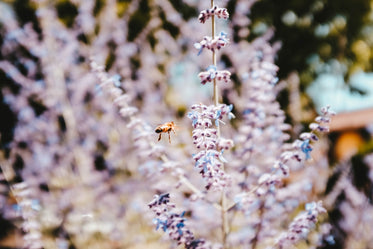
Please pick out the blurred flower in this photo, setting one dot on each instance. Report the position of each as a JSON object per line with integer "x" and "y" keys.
{"x": 173, "y": 223}
{"x": 301, "y": 225}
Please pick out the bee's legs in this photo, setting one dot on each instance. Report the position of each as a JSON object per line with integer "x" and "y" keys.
{"x": 160, "y": 136}
{"x": 169, "y": 136}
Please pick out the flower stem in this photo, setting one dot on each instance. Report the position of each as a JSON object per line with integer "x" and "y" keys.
{"x": 259, "y": 226}
{"x": 216, "y": 99}
{"x": 215, "y": 96}
{"x": 224, "y": 215}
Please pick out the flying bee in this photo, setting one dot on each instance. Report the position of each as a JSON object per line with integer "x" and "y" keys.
{"x": 166, "y": 127}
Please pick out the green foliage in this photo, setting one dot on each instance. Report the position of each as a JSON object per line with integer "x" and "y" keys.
{"x": 99, "y": 4}
{"x": 184, "y": 9}
{"x": 25, "y": 12}
{"x": 67, "y": 12}
{"x": 110, "y": 59}
{"x": 152, "y": 40}
{"x": 138, "y": 20}
{"x": 122, "y": 6}
{"x": 329, "y": 29}
{"x": 169, "y": 26}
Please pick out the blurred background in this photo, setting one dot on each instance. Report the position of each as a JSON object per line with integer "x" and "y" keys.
{"x": 324, "y": 53}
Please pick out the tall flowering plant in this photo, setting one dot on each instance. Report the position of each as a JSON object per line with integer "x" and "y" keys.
{"x": 228, "y": 182}
{"x": 251, "y": 185}
{"x": 206, "y": 120}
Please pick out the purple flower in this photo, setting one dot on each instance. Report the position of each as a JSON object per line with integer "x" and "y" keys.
{"x": 218, "y": 12}
{"x": 212, "y": 44}
{"x": 306, "y": 148}
{"x": 199, "y": 46}
{"x": 209, "y": 160}
{"x": 224, "y": 144}
{"x": 308, "y": 135}
{"x": 173, "y": 223}
{"x": 208, "y": 75}
{"x": 301, "y": 225}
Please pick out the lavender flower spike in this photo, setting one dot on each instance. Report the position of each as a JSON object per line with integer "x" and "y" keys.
{"x": 301, "y": 225}
{"x": 209, "y": 161}
{"x": 174, "y": 225}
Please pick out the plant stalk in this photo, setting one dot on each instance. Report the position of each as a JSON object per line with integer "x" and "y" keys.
{"x": 223, "y": 201}
{"x": 259, "y": 226}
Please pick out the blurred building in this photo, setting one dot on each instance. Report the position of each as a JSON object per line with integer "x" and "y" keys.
{"x": 351, "y": 130}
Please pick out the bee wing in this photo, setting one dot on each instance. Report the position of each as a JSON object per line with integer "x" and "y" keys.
{"x": 177, "y": 127}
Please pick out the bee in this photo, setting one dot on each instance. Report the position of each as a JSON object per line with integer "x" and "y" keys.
{"x": 166, "y": 127}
